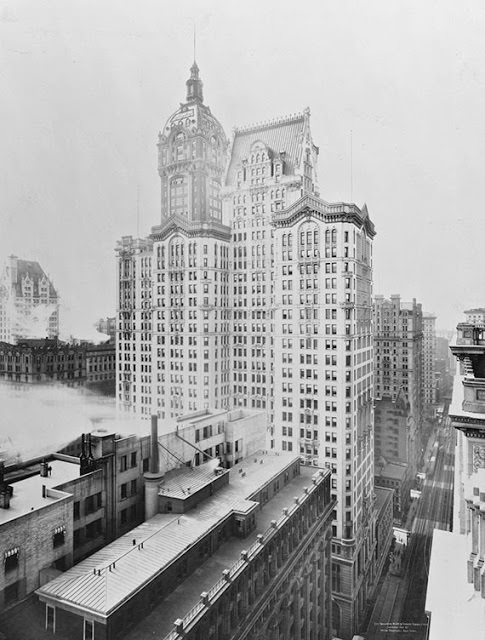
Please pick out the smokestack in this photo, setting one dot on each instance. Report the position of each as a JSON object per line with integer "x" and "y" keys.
{"x": 154, "y": 444}
{"x": 44, "y": 469}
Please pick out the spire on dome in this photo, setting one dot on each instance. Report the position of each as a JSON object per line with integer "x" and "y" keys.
{"x": 194, "y": 85}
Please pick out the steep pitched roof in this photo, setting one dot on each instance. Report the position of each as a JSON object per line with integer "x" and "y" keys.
{"x": 284, "y": 134}
{"x": 34, "y": 271}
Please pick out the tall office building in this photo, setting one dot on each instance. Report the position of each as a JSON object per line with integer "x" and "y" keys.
{"x": 29, "y": 304}
{"x": 429, "y": 360}
{"x": 398, "y": 340}
{"x": 254, "y": 292}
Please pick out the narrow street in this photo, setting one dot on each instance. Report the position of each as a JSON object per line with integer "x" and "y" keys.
{"x": 399, "y": 610}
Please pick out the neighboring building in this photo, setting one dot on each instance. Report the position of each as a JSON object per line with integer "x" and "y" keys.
{"x": 429, "y": 361}
{"x": 255, "y": 293}
{"x": 101, "y": 367}
{"x": 100, "y": 477}
{"x": 107, "y": 326}
{"x": 384, "y": 528}
{"x": 395, "y": 475}
{"x": 52, "y": 361}
{"x": 398, "y": 389}
{"x": 60, "y": 510}
{"x": 29, "y": 304}
{"x": 42, "y": 362}
{"x": 267, "y": 521}
{"x": 444, "y": 369}
{"x": 455, "y": 599}
{"x": 475, "y": 317}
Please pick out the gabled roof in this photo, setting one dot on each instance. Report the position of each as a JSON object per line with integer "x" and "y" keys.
{"x": 280, "y": 135}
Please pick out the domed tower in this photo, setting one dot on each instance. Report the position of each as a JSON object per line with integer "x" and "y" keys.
{"x": 190, "y": 264}
{"x": 192, "y": 150}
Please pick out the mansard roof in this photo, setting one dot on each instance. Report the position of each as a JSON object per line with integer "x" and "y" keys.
{"x": 280, "y": 135}
{"x": 32, "y": 270}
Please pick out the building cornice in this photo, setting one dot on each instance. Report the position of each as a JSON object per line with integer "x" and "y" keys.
{"x": 311, "y": 207}
{"x": 178, "y": 224}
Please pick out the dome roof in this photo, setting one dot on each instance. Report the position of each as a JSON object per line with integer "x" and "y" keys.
{"x": 193, "y": 117}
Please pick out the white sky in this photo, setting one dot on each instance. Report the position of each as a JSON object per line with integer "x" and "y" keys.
{"x": 87, "y": 84}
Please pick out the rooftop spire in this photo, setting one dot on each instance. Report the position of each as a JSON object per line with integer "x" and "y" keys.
{"x": 194, "y": 83}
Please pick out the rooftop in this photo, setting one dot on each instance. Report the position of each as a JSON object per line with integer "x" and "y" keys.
{"x": 105, "y": 580}
{"x": 27, "y": 493}
{"x": 456, "y": 407}
{"x": 279, "y": 135}
{"x": 392, "y": 470}
{"x": 457, "y": 612}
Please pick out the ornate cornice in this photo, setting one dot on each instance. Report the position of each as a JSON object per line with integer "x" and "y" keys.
{"x": 190, "y": 229}
{"x": 311, "y": 207}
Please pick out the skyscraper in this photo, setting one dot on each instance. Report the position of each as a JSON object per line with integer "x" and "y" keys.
{"x": 429, "y": 360}
{"x": 254, "y": 292}
{"x": 398, "y": 380}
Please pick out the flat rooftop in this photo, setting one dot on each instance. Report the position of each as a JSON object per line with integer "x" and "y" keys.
{"x": 456, "y": 406}
{"x": 392, "y": 470}
{"x": 27, "y": 493}
{"x": 109, "y": 577}
{"x": 457, "y": 612}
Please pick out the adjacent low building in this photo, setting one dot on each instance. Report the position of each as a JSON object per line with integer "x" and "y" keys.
{"x": 267, "y": 520}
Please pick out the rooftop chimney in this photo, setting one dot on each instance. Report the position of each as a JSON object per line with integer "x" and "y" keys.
{"x": 154, "y": 445}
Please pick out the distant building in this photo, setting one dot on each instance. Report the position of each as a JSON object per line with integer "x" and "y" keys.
{"x": 48, "y": 361}
{"x": 455, "y": 599}
{"x": 444, "y": 369}
{"x": 429, "y": 361}
{"x": 475, "y": 316}
{"x": 43, "y": 361}
{"x": 101, "y": 367}
{"x": 267, "y": 520}
{"x": 29, "y": 303}
{"x": 107, "y": 326}
{"x": 398, "y": 384}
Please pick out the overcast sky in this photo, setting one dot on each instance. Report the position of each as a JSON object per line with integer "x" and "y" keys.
{"x": 87, "y": 84}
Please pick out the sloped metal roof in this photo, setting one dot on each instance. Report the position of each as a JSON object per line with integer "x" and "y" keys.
{"x": 105, "y": 580}
{"x": 281, "y": 135}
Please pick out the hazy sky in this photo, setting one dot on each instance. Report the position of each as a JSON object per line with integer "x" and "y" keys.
{"x": 86, "y": 86}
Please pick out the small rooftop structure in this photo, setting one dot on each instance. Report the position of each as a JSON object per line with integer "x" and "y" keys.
{"x": 37, "y": 492}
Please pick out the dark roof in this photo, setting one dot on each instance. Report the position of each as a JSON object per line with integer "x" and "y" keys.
{"x": 34, "y": 271}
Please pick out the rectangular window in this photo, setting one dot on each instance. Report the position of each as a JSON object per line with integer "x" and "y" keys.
{"x": 59, "y": 537}
{"x": 11, "y": 559}
{"x": 88, "y": 630}
{"x": 133, "y": 459}
{"x": 123, "y": 463}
